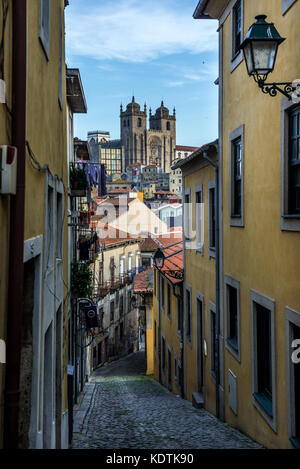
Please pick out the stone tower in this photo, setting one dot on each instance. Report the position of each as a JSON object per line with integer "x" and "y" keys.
{"x": 134, "y": 133}
{"x": 153, "y": 146}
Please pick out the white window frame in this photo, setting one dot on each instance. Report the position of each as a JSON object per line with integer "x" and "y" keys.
{"x": 187, "y": 218}
{"x": 292, "y": 319}
{"x": 189, "y": 338}
{"x": 287, "y": 222}
{"x": 44, "y": 32}
{"x": 211, "y": 249}
{"x": 269, "y": 304}
{"x": 212, "y": 311}
{"x": 286, "y": 5}
{"x": 236, "y": 59}
{"x": 238, "y": 133}
{"x": 229, "y": 281}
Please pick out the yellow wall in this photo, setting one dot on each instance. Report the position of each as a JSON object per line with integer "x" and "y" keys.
{"x": 200, "y": 276}
{"x": 149, "y": 340}
{"x": 169, "y": 331}
{"x": 5, "y": 139}
{"x": 260, "y": 255}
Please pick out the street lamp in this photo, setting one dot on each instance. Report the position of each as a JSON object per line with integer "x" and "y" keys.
{"x": 260, "y": 48}
{"x": 159, "y": 259}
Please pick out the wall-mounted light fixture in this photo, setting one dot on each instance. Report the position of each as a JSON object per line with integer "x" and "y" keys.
{"x": 260, "y": 48}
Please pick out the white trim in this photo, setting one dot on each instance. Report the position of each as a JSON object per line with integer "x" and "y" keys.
{"x": 229, "y": 281}
{"x": 270, "y": 305}
{"x": 286, "y": 5}
{"x": 292, "y": 318}
{"x": 236, "y": 59}
{"x": 211, "y": 250}
{"x": 199, "y": 247}
{"x": 234, "y": 135}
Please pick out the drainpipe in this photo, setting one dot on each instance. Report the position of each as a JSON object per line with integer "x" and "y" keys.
{"x": 217, "y": 229}
{"x": 17, "y": 209}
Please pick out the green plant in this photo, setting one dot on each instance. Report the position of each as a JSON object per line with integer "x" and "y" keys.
{"x": 78, "y": 178}
{"x": 81, "y": 280}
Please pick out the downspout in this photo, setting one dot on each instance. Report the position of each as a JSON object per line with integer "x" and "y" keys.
{"x": 17, "y": 215}
{"x": 217, "y": 229}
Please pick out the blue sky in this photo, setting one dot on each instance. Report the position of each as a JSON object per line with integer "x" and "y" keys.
{"x": 152, "y": 48}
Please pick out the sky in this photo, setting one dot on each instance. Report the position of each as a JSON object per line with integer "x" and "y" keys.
{"x": 153, "y": 49}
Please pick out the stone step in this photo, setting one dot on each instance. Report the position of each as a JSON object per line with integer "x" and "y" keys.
{"x": 198, "y": 400}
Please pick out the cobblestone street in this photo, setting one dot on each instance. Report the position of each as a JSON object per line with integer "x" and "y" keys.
{"x": 123, "y": 408}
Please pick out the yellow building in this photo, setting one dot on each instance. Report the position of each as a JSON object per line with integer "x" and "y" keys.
{"x": 259, "y": 239}
{"x": 167, "y": 315}
{"x": 199, "y": 192}
{"x": 34, "y": 378}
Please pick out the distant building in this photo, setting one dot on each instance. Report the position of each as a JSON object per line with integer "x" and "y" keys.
{"x": 153, "y": 146}
{"x": 98, "y": 136}
{"x": 107, "y": 152}
{"x": 181, "y": 152}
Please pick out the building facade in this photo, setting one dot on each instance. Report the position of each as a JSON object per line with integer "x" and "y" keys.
{"x": 153, "y": 146}
{"x": 34, "y": 282}
{"x": 259, "y": 236}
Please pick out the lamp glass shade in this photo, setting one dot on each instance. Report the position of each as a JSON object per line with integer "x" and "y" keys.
{"x": 260, "y": 47}
{"x": 159, "y": 259}
{"x": 264, "y": 55}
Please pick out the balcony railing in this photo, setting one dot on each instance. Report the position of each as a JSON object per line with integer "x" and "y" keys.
{"x": 116, "y": 283}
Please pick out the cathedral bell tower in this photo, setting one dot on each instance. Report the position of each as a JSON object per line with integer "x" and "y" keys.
{"x": 133, "y": 124}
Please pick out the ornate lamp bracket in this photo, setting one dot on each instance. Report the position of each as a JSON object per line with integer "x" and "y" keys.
{"x": 288, "y": 89}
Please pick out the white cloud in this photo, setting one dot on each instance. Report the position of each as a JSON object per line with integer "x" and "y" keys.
{"x": 134, "y": 31}
{"x": 174, "y": 84}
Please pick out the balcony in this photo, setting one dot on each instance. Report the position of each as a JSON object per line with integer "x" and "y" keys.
{"x": 116, "y": 283}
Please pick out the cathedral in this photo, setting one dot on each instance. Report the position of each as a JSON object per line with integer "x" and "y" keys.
{"x": 154, "y": 146}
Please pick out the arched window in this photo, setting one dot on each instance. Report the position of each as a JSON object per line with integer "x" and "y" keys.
{"x": 139, "y": 122}
{"x": 168, "y": 126}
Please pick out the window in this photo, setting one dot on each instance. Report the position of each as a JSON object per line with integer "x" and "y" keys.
{"x": 112, "y": 311}
{"x": 44, "y": 34}
{"x": 236, "y": 177}
{"x": 232, "y": 290}
{"x": 213, "y": 349}
{"x": 59, "y": 224}
{"x": 199, "y": 219}
{"x": 212, "y": 218}
{"x": 162, "y": 292}
{"x": 169, "y": 369}
{"x": 237, "y": 27}
{"x": 188, "y": 314}
{"x": 139, "y": 122}
{"x": 263, "y": 352}
{"x": 155, "y": 333}
{"x": 237, "y": 33}
{"x": 169, "y": 302}
{"x": 293, "y": 376}
{"x": 179, "y": 315}
{"x": 294, "y": 162}
{"x": 163, "y": 351}
{"x": 121, "y": 306}
{"x": 61, "y": 51}
{"x": 168, "y": 126}
{"x": 187, "y": 215}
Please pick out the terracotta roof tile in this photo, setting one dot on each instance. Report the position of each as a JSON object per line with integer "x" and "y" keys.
{"x": 143, "y": 282}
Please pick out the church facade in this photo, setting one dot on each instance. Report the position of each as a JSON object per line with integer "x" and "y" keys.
{"x": 155, "y": 145}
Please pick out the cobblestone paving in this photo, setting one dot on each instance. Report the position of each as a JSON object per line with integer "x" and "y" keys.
{"x": 123, "y": 408}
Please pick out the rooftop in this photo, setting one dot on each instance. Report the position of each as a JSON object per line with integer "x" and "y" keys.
{"x": 143, "y": 282}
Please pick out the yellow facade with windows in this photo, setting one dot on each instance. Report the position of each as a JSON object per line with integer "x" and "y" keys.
{"x": 199, "y": 281}
{"x": 45, "y": 253}
{"x": 260, "y": 246}
{"x": 167, "y": 337}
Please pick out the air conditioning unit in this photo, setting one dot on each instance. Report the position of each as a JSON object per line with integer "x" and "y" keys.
{"x": 8, "y": 169}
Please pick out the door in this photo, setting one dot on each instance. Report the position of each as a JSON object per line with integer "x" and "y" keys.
{"x": 200, "y": 360}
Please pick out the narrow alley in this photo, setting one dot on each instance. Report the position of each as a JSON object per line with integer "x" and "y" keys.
{"x": 124, "y": 408}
